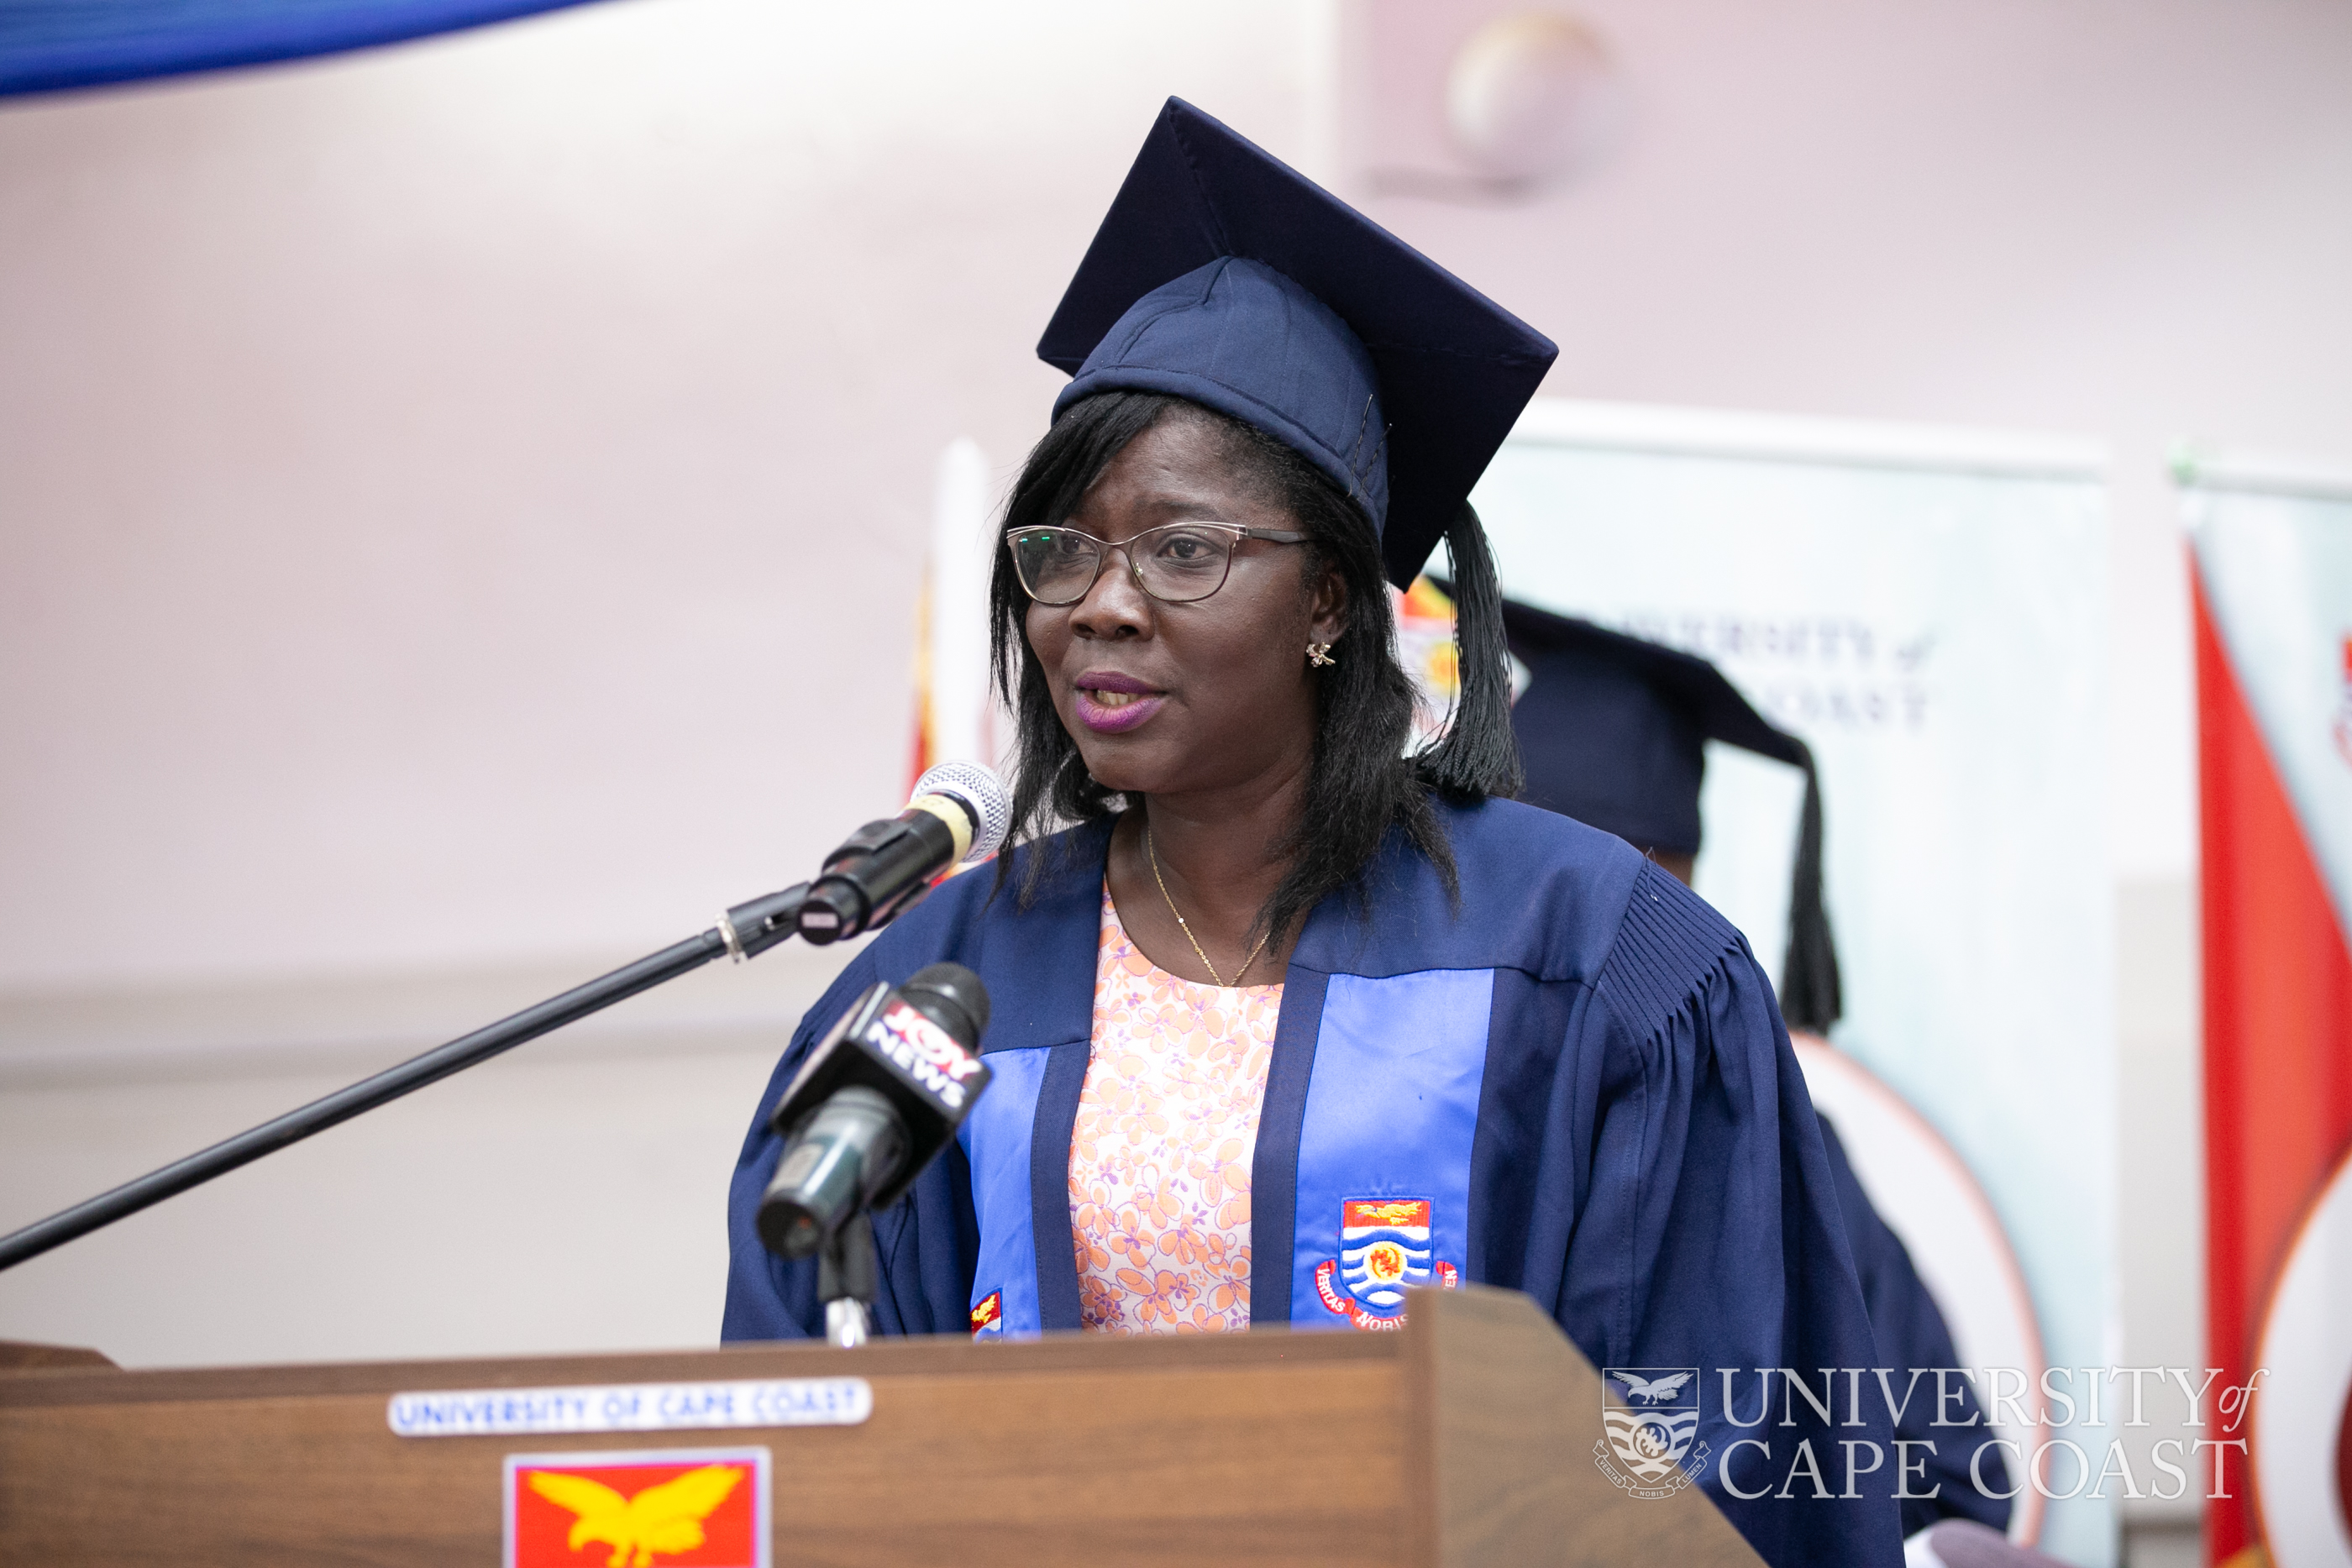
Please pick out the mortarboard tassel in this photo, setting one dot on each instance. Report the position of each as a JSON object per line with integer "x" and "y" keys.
{"x": 1810, "y": 993}
{"x": 1478, "y": 755}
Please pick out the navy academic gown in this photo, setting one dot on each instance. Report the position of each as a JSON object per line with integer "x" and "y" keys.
{"x": 1913, "y": 1341}
{"x": 1580, "y": 1070}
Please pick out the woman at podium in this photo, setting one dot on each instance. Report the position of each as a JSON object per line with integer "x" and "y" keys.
{"x": 1287, "y": 1020}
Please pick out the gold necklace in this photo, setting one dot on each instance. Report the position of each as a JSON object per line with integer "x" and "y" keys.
{"x": 1154, "y": 859}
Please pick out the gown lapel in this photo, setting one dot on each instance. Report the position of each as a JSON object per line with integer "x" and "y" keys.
{"x": 1039, "y": 968}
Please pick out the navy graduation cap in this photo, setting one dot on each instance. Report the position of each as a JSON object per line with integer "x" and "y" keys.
{"x": 1612, "y": 731}
{"x": 1221, "y": 275}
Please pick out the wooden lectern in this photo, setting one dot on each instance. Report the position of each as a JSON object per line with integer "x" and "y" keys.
{"x": 1468, "y": 1438}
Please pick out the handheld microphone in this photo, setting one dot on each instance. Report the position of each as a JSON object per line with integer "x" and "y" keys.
{"x": 876, "y": 1098}
{"x": 959, "y": 812}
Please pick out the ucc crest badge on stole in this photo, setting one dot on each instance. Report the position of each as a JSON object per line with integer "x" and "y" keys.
{"x": 1384, "y": 1247}
{"x": 662, "y": 1508}
{"x": 1650, "y": 1415}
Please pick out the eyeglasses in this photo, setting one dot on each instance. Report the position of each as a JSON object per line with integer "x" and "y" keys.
{"x": 1175, "y": 563}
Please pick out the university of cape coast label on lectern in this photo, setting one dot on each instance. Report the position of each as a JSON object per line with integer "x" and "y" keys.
{"x": 632, "y": 1407}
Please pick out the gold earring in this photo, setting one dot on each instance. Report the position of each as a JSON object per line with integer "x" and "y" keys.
{"x": 1319, "y": 655}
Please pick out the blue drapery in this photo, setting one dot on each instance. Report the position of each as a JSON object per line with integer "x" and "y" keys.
{"x": 46, "y": 44}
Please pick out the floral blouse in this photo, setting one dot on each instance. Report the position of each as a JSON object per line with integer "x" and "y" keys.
{"x": 1160, "y": 1157}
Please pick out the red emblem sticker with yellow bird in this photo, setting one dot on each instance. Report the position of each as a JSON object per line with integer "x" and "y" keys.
{"x": 693, "y": 1507}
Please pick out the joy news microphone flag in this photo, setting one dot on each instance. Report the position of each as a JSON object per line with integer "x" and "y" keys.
{"x": 959, "y": 814}
{"x": 879, "y": 1097}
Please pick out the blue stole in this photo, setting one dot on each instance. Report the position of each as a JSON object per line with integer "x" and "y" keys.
{"x": 1360, "y": 1179}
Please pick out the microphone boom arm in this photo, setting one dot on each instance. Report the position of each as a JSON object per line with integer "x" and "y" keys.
{"x": 743, "y": 932}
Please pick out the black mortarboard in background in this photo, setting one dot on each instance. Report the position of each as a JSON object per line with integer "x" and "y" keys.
{"x": 1613, "y": 732}
{"x": 1222, "y": 276}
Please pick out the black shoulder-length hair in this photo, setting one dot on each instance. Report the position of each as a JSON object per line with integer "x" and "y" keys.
{"x": 1361, "y": 785}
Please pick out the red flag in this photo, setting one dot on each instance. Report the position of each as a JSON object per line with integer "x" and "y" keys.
{"x": 2278, "y": 1104}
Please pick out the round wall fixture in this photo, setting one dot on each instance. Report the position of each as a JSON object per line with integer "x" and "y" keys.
{"x": 1530, "y": 96}
{"x": 2302, "y": 1426}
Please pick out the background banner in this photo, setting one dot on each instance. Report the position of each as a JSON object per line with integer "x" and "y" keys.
{"x": 2271, "y": 551}
{"x": 1926, "y": 610}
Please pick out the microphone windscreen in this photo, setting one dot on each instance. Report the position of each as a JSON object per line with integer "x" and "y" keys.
{"x": 954, "y": 997}
{"x": 981, "y": 792}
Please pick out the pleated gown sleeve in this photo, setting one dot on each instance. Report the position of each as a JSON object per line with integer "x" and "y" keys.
{"x": 1710, "y": 1234}
{"x": 1913, "y": 1342}
{"x": 1650, "y": 1169}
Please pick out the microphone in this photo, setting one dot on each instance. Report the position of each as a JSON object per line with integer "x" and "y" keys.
{"x": 959, "y": 812}
{"x": 879, "y": 1097}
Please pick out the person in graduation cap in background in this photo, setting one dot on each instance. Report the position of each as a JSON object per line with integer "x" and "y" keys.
{"x": 1612, "y": 731}
{"x": 1283, "y": 991}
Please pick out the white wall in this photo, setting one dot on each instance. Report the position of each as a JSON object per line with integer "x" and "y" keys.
{"x": 462, "y": 499}
{"x": 461, "y": 506}
{"x": 459, "y": 502}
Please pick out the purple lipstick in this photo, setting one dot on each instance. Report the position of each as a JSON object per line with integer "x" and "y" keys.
{"x": 1111, "y": 704}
